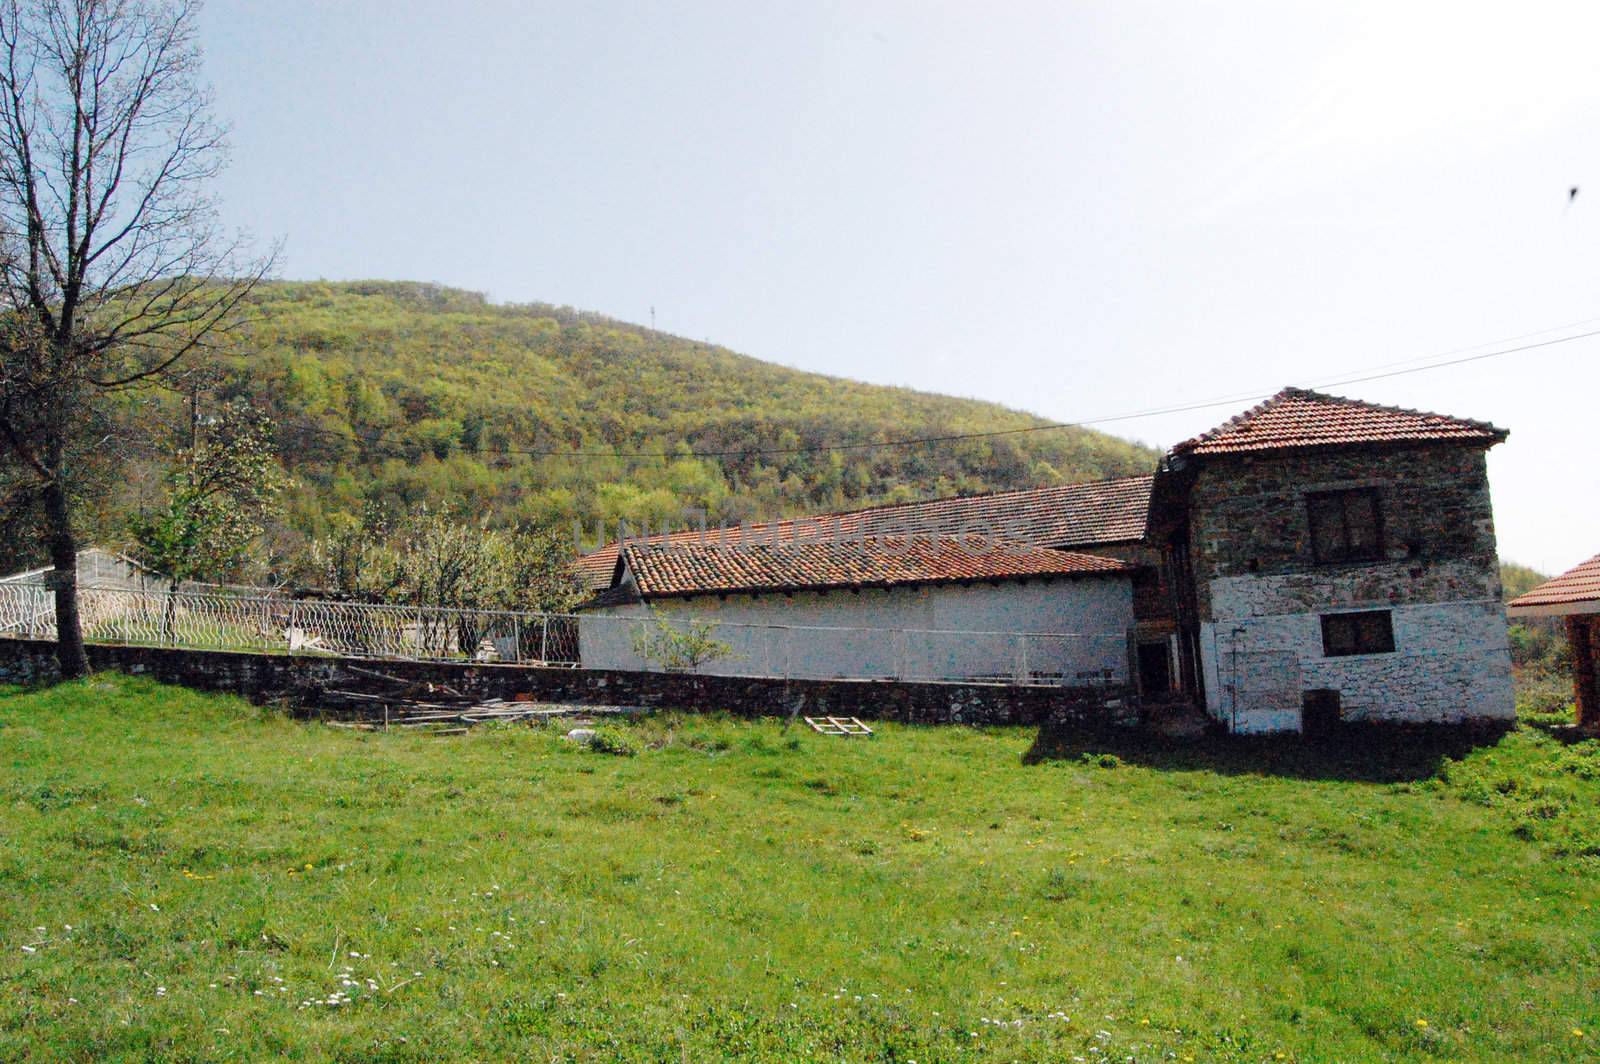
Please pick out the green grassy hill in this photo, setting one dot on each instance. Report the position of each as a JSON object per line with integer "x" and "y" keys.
{"x": 188, "y": 878}
{"x": 400, "y": 394}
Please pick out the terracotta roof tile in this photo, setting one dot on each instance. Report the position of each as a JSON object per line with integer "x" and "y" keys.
{"x": 662, "y": 570}
{"x": 1296, "y": 418}
{"x": 1068, "y": 515}
{"x": 1577, "y": 585}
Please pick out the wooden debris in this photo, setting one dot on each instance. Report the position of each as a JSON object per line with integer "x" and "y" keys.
{"x": 437, "y": 714}
{"x": 838, "y": 726}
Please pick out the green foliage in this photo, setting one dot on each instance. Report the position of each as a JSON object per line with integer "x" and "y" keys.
{"x": 612, "y": 740}
{"x": 392, "y": 396}
{"x": 1519, "y": 579}
{"x": 220, "y": 493}
{"x": 679, "y": 644}
{"x": 731, "y": 891}
{"x": 433, "y": 559}
{"x": 1538, "y": 644}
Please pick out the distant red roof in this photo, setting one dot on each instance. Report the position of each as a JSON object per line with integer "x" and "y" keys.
{"x": 665, "y": 570}
{"x": 1296, "y": 418}
{"x": 1070, "y": 515}
{"x": 1575, "y": 591}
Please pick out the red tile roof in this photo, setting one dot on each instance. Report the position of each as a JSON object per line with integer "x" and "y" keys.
{"x": 1570, "y": 592}
{"x": 1069, "y": 515}
{"x": 1296, "y": 418}
{"x": 663, "y": 570}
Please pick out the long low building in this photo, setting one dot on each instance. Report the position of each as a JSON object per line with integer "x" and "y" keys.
{"x": 1311, "y": 561}
{"x": 873, "y": 607}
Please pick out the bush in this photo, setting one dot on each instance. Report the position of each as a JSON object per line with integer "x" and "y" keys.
{"x": 680, "y": 649}
{"x": 609, "y": 740}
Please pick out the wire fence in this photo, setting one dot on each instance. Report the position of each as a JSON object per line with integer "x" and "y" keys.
{"x": 255, "y": 621}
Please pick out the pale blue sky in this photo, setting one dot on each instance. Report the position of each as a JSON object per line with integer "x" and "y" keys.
{"x": 1077, "y": 209}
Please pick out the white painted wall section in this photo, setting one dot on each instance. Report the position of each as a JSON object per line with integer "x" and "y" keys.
{"x": 1451, "y": 663}
{"x": 1037, "y": 630}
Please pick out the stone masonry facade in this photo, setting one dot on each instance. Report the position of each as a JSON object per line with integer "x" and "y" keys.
{"x": 1261, "y": 594}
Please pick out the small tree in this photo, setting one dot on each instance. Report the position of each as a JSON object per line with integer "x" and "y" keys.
{"x": 220, "y": 493}
{"x": 434, "y": 560}
{"x": 355, "y": 559}
{"x": 679, "y": 649}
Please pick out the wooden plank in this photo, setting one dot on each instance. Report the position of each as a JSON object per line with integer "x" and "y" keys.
{"x": 838, "y": 726}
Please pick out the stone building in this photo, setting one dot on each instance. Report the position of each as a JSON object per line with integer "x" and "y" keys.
{"x": 1336, "y": 560}
{"x": 1315, "y": 559}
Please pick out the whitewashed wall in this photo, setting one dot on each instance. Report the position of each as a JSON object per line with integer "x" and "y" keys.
{"x": 918, "y": 633}
{"x": 1451, "y": 662}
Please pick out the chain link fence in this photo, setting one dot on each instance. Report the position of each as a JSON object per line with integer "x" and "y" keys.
{"x": 258, "y": 621}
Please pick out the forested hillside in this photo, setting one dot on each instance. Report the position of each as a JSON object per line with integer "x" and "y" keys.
{"x": 393, "y": 396}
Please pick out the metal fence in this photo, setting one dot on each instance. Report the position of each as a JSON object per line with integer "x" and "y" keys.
{"x": 271, "y": 623}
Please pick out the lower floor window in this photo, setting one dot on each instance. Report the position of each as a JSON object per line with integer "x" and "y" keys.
{"x": 1368, "y": 632}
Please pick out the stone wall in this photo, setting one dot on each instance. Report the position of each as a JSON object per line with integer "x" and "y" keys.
{"x": 299, "y": 681}
{"x": 1451, "y": 664}
{"x": 1261, "y": 593}
{"x": 1248, "y": 518}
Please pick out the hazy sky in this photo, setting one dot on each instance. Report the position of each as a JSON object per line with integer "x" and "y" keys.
{"x": 1077, "y": 209}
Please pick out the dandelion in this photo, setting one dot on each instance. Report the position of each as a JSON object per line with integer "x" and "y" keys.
{"x": 1577, "y": 1032}
{"x": 1422, "y": 1024}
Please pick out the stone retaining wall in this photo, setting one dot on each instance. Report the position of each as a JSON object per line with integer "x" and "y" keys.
{"x": 300, "y": 680}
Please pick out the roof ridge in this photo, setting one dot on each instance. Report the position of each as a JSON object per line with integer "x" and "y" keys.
{"x": 1242, "y": 423}
{"x": 853, "y": 540}
{"x": 886, "y": 507}
{"x": 1487, "y": 426}
{"x": 1238, "y": 419}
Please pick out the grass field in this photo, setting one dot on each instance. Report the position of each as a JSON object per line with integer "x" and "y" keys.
{"x": 184, "y": 877}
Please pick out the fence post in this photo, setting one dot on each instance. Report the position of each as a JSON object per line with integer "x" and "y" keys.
{"x": 516, "y": 638}
{"x": 294, "y": 623}
{"x": 544, "y": 639}
{"x": 1022, "y": 657}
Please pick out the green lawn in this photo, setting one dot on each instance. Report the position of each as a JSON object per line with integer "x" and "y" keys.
{"x": 185, "y": 877}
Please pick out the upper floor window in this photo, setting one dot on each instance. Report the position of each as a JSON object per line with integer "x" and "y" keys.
{"x": 1345, "y": 525}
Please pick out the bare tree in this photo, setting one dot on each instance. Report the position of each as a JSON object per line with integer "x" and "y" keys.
{"x": 113, "y": 266}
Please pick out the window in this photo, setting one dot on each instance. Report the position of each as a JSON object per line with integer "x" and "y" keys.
{"x": 1345, "y": 526}
{"x": 1370, "y": 632}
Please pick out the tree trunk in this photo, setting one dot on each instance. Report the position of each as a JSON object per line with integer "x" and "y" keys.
{"x": 70, "y": 654}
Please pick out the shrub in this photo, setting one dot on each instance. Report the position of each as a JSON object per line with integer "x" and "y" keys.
{"x": 680, "y": 649}
{"x": 610, "y": 740}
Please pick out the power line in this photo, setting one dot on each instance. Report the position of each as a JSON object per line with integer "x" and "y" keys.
{"x": 995, "y": 433}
